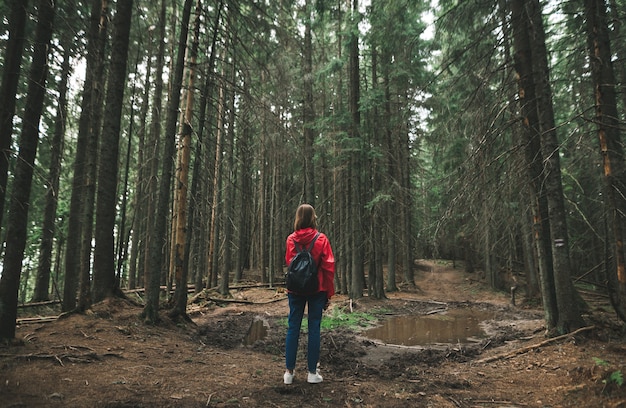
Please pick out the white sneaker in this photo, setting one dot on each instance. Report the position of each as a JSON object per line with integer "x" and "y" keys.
{"x": 314, "y": 378}
{"x": 288, "y": 377}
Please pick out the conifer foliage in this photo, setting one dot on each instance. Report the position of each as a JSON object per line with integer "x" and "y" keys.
{"x": 488, "y": 134}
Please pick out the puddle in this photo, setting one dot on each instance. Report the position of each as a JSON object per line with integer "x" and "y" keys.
{"x": 257, "y": 331}
{"x": 453, "y": 326}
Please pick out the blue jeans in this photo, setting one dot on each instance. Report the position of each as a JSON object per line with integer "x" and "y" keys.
{"x": 316, "y": 304}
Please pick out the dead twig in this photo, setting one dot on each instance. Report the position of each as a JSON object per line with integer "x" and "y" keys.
{"x": 37, "y": 304}
{"x": 496, "y": 402}
{"x": 59, "y": 358}
{"x": 534, "y": 346}
{"x": 42, "y": 319}
{"x": 218, "y": 300}
{"x": 436, "y": 311}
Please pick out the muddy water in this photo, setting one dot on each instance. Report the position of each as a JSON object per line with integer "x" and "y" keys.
{"x": 453, "y": 326}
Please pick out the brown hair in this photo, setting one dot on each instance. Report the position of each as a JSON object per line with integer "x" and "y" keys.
{"x": 305, "y": 217}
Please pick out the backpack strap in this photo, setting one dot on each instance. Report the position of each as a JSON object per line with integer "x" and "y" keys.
{"x": 313, "y": 242}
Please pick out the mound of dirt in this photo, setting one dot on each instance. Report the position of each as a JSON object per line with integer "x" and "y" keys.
{"x": 110, "y": 358}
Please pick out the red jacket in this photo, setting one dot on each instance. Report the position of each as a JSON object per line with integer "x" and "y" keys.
{"x": 322, "y": 253}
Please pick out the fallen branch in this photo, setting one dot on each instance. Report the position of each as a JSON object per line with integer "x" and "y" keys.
{"x": 534, "y": 346}
{"x": 505, "y": 403}
{"x": 36, "y": 304}
{"x": 248, "y": 302}
{"x": 41, "y": 319}
{"x": 278, "y": 299}
{"x": 435, "y": 311}
{"x": 220, "y": 300}
{"x": 434, "y": 302}
{"x": 70, "y": 357}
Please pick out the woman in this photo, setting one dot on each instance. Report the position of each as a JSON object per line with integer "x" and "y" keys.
{"x": 305, "y": 230}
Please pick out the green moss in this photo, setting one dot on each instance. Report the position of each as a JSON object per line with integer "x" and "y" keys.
{"x": 339, "y": 317}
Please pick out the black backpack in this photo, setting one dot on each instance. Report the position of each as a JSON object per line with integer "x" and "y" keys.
{"x": 302, "y": 271}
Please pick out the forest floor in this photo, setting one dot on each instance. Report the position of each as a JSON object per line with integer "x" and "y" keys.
{"x": 109, "y": 358}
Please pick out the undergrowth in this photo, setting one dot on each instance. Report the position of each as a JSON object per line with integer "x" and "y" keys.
{"x": 340, "y": 317}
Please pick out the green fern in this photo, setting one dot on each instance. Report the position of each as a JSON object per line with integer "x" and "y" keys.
{"x": 599, "y": 362}
{"x": 617, "y": 377}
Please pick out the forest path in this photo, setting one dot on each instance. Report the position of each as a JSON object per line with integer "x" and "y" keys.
{"x": 109, "y": 358}
{"x": 444, "y": 281}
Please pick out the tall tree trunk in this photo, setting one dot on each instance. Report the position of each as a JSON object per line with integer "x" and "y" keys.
{"x": 531, "y": 62}
{"x": 8, "y": 89}
{"x": 528, "y": 241}
{"x": 376, "y": 281}
{"x": 42, "y": 283}
{"x": 214, "y": 232}
{"x": 308, "y": 116}
{"x": 391, "y": 163}
{"x": 157, "y": 245}
{"x": 273, "y": 210}
{"x": 229, "y": 186}
{"x": 195, "y": 256}
{"x": 104, "y": 282}
{"x": 611, "y": 148}
{"x": 405, "y": 192}
{"x": 88, "y": 197}
{"x": 530, "y": 256}
{"x": 20, "y": 198}
{"x": 618, "y": 46}
{"x": 139, "y": 224}
{"x": 345, "y": 245}
{"x": 86, "y": 131}
{"x": 356, "y": 233}
{"x": 179, "y": 231}
{"x": 245, "y": 190}
{"x": 199, "y": 186}
{"x": 566, "y": 295}
{"x": 538, "y": 202}
{"x": 153, "y": 244}
{"x": 123, "y": 236}
{"x": 262, "y": 242}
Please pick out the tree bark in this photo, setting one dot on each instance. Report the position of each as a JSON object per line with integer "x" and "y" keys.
{"x": 104, "y": 280}
{"x": 20, "y": 198}
{"x": 154, "y": 266}
{"x": 391, "y": 162}
{"x": 123, "y": 237}
{"x": 531, "y": 62}
{"x": 356, "y": 203}
{"x": 88, "y": 189}
{"x": 264, "y": 176}
{"x": 86, "y": 138}
{"x": 214, "y": 232}
{"x": 308, "y": 116}
{"x": 245, "y": 187}
{"x": 531, "y": 142}
{"x": 179, "y": 230}
{"x": 199, "y": 185}
{"x": 42, "y": 283}
{"x": 611, "y": 148}
{"x": 229, "y": 187}
{"x": 10, "y": 79}
{"x": 152, "y": 243}
{"x": 141, "y": 196}
{"x": 376, "y": 281}
{"x": 196, "y": 241}
{"x": 566, "y": 295}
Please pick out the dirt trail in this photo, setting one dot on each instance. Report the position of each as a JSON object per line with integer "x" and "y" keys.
{"x": 109, "y": 358}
